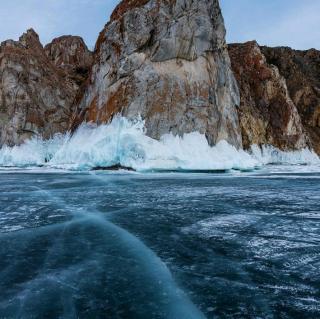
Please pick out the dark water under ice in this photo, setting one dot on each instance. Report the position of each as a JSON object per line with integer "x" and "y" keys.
{"x": 176, "y": 246}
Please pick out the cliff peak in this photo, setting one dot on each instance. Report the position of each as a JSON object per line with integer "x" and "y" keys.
{"x": 36, "y": 95}
{"x": 166, "y": 61}
{"x": 125, "y": 6}
{"x": 30, "y": 39}
{"x": 70, "y": 54}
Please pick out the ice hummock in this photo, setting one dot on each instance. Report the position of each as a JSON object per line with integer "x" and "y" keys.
{"x": 124, "y": 142}
{"x": 268, "y": 154}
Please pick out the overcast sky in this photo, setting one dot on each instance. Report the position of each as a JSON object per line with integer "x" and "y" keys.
{"x": 294, "y": 23}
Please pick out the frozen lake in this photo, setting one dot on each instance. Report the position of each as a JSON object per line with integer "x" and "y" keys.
{"x": 174, "y": 246}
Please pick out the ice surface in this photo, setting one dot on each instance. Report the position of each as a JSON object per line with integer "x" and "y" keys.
{"x": 95, "y": 245}
{"x": 124, "y": 142}
{"x": 270, "y": 155}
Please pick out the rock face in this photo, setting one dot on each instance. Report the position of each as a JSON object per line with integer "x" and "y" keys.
{"x": 267, "y": 113}
{"x": 36, "y": 96}
{"x": 168, "y": 62}
{"x": 301, "y": 70}
{"x": 71, "y": 54}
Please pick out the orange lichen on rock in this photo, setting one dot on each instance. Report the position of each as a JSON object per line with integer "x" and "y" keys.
{"x": 267, "y": 113}
{"x": 125, "y": 6}
{"x": 173, "y": 66}
{"x": 38, "y": 85}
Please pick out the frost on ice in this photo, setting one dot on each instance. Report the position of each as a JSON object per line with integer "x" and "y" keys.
{"x": 123, "y": 142}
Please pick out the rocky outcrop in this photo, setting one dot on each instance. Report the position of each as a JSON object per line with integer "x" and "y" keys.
{"x": 36, "y": 96}
{"x": 70, "y": 54}
{"x": 301, "y": 70}
{"x": 168, "y": 62}
{"x": 267, "y": 113}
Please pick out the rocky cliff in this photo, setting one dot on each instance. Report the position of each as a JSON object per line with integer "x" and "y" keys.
{"x": 36, "y": 94}
{"x": 168, "y": 62}
{"x": 267, "y": 113}
{"x": 70, "y": 54}
{"x": 301, "y": 70}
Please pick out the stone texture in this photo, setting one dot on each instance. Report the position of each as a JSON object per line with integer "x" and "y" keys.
{"x": 302, "y": 72}
{"x": 267, "y": 113}
{"x": 71, "y": 54}
{"x": 168, "y": 62}
{"x": 36, "y": 96}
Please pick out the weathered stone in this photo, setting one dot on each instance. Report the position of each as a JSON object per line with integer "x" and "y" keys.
{"x": 267, "y": 113}
{"x": 302, "y": 72}
{"x": 168, "y": 62}
{"x": 35, "y": 95}
{"x": 70, "y": 54}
